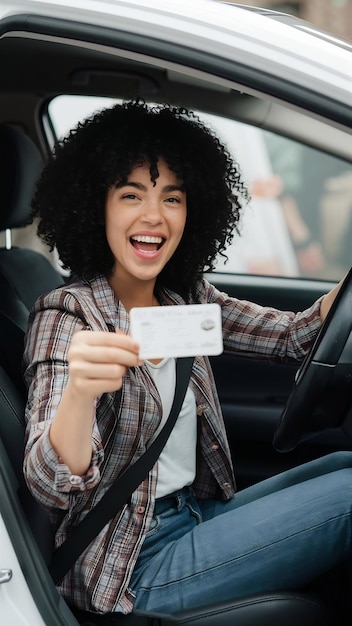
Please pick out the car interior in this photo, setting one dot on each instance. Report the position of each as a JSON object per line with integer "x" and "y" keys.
{"x": 50, "y": 58}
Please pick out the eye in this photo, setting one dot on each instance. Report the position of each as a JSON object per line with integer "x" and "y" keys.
{"x": 173, "y": 200}
{"x": 129, "y": 196}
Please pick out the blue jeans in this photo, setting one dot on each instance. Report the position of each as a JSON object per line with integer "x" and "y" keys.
{"x": 279, "y": 534}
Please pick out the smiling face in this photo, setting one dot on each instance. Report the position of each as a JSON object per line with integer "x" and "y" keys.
{"x": 144, "y": 225}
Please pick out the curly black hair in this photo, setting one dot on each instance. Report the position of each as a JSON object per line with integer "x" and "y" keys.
{"x": 101, "y": 151}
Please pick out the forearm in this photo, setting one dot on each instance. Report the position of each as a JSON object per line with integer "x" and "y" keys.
{"x": 71, "y": 430}
{"x": 328, "y": 300}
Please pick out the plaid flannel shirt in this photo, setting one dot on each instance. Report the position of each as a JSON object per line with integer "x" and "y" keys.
{"x": 99, "y": 579}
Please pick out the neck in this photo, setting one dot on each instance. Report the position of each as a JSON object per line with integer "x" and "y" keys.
{"x": 134, "y": 295}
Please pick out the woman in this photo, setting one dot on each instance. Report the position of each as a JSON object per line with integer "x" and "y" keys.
{"x": 139, "y": 201}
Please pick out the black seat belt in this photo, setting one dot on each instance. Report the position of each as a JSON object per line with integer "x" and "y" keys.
{"x": 120, "y": 491}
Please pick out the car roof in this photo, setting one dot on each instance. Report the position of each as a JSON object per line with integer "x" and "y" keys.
{"x": 235, "y": 55}
{"x": 289, "y": 52}
{"x": 295, "y": 22}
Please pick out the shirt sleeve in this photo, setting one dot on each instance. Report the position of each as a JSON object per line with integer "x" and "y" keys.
{"x": 265, "y": 332}
{"x": 47, "y": 341}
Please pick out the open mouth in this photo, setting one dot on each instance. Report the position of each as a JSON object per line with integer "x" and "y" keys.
{"x": 147, "y": 243}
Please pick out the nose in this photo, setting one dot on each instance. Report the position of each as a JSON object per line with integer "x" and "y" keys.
{"x": 152, "y": 212}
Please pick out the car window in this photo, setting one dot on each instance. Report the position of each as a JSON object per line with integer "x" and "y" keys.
{"x": 299, "y": 219}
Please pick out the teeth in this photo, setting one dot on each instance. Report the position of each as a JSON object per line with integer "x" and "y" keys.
{"x": 147, "y": 239}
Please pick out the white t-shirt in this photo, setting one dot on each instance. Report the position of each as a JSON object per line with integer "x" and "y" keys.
{"x": 177, "y": 461}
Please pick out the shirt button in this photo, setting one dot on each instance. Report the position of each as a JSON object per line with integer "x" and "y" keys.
{"x": 215, "y": 447}
{"x": 224, "y": 485}
{"x": 140, "y": 509}
{"x": 75, "y": 480}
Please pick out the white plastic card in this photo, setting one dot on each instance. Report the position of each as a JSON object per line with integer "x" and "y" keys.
{"x": 177, "y": 331}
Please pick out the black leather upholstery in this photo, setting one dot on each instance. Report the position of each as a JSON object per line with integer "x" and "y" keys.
{"x": 20, "y": 165}
{"x": 277, "y": 609}
{"x": 24, "y": 274}
{"x": 12, "y": 406}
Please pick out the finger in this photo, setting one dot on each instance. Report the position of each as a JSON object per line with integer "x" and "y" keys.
{"x": 102, "y": 338}
{"x": 103, "y": 354}
{"x": 95, "y": 386}
{"x": 93, "y": 371}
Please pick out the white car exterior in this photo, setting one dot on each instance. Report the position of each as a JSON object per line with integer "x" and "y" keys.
{"x": 271, "y": 47}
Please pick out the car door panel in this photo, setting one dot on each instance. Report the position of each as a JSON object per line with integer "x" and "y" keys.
{"x": 253, "y": 392}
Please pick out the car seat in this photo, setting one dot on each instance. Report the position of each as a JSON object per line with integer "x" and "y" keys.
{"x": 24, "y": 274}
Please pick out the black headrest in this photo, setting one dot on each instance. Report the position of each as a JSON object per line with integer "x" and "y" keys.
{"x": 20, "y": 166}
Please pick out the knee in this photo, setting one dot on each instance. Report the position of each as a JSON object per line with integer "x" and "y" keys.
{"x": 336, "y": 461}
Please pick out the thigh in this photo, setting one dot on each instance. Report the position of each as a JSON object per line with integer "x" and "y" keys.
{"x": 301, "y": 473}
{"x": 283, "y": 540}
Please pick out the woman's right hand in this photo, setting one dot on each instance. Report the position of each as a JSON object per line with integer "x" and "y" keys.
{"x": 99, "y": 360}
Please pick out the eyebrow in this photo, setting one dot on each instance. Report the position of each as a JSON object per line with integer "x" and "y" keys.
{"x": 140, "y": 186}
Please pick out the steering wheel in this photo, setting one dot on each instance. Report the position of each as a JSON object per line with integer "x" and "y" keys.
{"x": 321, "y": 396}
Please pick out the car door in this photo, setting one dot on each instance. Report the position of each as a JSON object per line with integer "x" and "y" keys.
{"x": 253, "y": 393}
